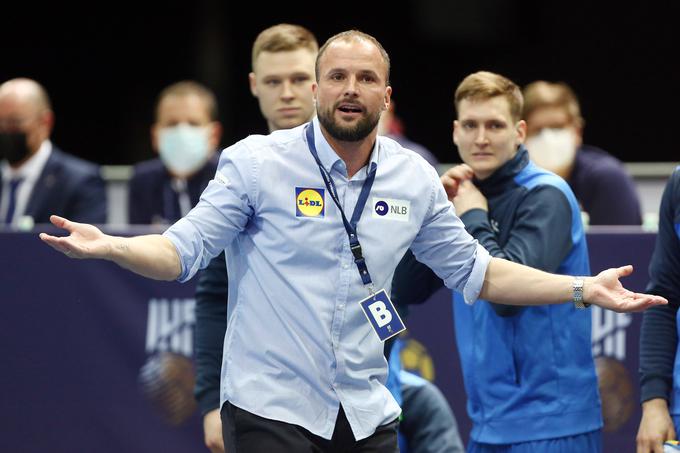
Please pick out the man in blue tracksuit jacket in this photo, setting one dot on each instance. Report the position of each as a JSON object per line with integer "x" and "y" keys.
{"x": 529, "y": 372}
{"x": 659, "y": 353}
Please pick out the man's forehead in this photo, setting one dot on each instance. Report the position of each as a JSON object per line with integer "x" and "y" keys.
{"x": 287, "y": 60}
{"x": 359, "y": 54}
{"x": 184, "y": 105}
{"x": 497, "y": 106}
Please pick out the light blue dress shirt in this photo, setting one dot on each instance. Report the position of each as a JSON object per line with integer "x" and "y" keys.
{"x": 298, "y": 344}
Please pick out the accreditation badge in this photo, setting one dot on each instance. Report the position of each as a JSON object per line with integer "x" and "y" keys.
{"x": 382, "y": 315}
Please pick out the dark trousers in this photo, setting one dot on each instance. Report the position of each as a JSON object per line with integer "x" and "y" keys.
{"x": 245, "y": 432}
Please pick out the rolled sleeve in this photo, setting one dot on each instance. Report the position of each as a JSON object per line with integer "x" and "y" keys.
{"x": 472, "y": 285}
{"x": 448, "y": 249}
{"x": 221, "y": 214}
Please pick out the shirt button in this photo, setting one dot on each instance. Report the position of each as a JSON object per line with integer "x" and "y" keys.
{"x": 345, "y": 266}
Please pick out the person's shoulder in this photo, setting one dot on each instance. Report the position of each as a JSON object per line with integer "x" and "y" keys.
{"x": 279, "y": 138}
{"x": 71, "y": 163}
{"x": 150, "y": 166}
{"x": 415, "y": 147}
{"x": 596, "y": 160}
{"x": 395, "y": 152}
{"x": 533, "y": 176}
{"x": 275, "y": 142}
{"x": 148, "y": 170}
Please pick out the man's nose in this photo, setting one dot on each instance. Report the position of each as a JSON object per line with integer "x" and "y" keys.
{"x": 481, "y": 138}
{"x": 351, "y": 86}
{"x": 287, "y": 90}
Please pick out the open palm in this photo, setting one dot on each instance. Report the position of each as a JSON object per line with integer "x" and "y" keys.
{"x": 84, "y": 240}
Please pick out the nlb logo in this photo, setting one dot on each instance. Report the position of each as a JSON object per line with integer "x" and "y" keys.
{"x": 309, "y": 202}
{"x": 381, "y": 208}
{"x": 388, "y": 208}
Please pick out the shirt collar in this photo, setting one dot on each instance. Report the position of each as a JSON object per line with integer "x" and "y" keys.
{"x": 505, "y": 174}
{"x": 330, "y": 159}
{"x": 32, "y": 168}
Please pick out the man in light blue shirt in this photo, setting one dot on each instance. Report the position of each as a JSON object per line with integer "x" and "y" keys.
{"x": 302, "y": 367}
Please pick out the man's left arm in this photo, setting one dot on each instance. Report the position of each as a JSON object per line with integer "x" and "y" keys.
{"x": 540, "y": 234}
{"x": 510, "y": 283}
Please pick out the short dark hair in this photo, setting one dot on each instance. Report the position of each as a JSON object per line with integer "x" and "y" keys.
{"x": 190, "y": 87}
{"x": 354, "y": 35}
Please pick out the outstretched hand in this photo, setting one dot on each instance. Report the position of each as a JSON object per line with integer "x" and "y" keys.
{"x": 606, "y": 290}
{"x": 84, "y": 240}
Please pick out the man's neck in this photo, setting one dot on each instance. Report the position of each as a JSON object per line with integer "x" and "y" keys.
{"x": 355, "y": 154}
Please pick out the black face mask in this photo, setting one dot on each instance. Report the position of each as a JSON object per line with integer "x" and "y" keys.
{"x": 13, "y": 146}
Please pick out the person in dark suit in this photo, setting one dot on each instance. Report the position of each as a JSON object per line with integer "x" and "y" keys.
{"x": 36, "y": 177}
{"x": 185, "y": 135}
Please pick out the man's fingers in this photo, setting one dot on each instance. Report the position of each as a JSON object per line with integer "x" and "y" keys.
{"x": 58, "y": 244}
{"x": 57, "y": 221}
{"x": 624, "y": 271}
{"x": 651, "y": 300}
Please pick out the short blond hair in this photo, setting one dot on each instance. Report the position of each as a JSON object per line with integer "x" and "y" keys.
{"x": 542, "y": 94}
{"x": 283, "y": 38}
{"x": 485, "y": 85}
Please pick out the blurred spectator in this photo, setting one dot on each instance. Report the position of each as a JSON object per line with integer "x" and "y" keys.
{"x": 554, "y": 140}
{"x": 391, "y": 126}
{"x": 36, "y": 177}
{"x": 185, "y": 135}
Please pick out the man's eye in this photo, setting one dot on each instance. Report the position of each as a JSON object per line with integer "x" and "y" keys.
{"x": 300, "y": 80}
{"x": 272, "y": 82}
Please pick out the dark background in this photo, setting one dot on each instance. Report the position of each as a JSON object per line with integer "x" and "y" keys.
{"x": 104, "y": 63}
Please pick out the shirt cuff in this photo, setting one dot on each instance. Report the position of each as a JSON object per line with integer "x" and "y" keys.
{"x": 475, "y": 281}
{"x": 655, "y": 388}
{"x": 186, "y": 247}
{"x": 208, "y": 400}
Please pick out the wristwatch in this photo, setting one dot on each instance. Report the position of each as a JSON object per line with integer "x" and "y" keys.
{"x": 577, "y": 287}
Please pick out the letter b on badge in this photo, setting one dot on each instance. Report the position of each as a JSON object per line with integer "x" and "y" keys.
{"x": 380, "y": 313}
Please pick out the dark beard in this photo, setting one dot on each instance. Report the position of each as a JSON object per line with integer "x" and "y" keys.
{"x": 348, "y": 134}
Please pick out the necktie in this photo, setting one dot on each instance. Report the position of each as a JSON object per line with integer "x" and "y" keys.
{"x": 13, "y": 186}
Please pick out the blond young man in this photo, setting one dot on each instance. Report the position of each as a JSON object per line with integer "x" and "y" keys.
{"x": 305, "y": 369}
{"x": 528, "y": 371}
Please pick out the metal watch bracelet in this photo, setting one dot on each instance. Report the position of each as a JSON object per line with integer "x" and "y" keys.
{"x": 577, "y": 287}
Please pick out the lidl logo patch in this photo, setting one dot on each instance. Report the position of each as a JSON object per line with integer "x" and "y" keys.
{"x": 309, "y": 202}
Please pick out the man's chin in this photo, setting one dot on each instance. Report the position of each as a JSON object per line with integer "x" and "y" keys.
{"x": 289, "y": 123}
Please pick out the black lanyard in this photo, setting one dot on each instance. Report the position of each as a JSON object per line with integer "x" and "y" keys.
{"x": 351, "y": 226}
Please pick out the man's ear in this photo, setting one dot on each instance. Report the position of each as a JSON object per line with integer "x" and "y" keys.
{"x": 388, "y": 97}
{"x": 252, "y": 80}
{"x": 521, "y": 131}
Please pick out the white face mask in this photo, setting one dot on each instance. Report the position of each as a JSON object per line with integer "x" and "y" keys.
{"x": 552, "y": 149}
{"x": 184, "y": 149}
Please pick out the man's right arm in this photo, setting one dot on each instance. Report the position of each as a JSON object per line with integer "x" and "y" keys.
{"x": 152, "y": 256}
